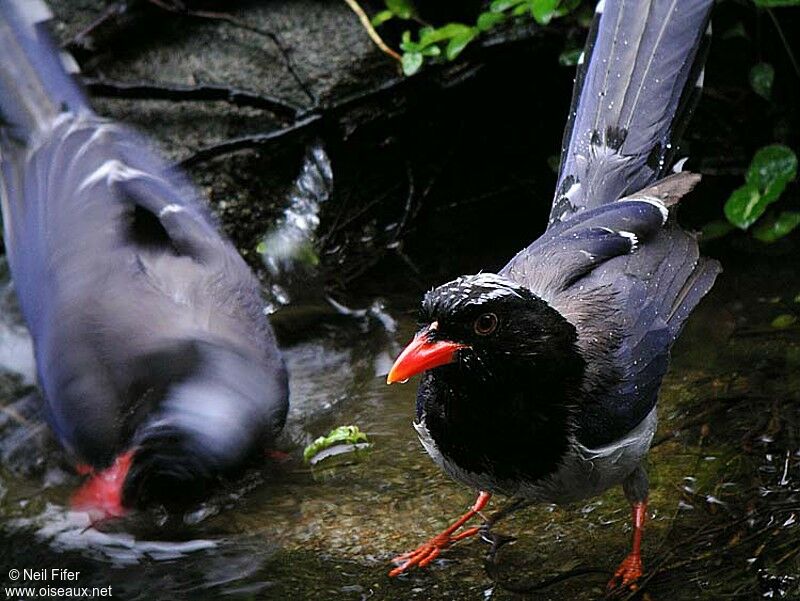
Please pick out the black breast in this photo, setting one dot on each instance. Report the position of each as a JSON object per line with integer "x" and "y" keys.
{"x": 510, "y": 428}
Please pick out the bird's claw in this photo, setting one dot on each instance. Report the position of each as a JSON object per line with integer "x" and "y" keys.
{"x": 628, "y": 572}
{"x": 428, "y": 551}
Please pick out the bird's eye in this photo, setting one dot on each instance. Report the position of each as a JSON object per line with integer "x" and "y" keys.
{"x": 486, "y": 324}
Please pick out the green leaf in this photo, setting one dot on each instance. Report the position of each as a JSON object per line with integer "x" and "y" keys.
{"x": 773, "y": 3}
{"x": 411, "y": 62}
{"x": 784, "y": 321}
{"x": 776, "y": 228}
{"x": 771, "y": 165}
{"x": 771, "y": 169}
{"x": 569, "y": 58}
{"x": 459, "y": 42}
{"x": 797, "y": 298}
{"x": 744, "y": 206}
{"x": 432, "y": 51}
{"x": 407, "y": 44}
{"x": 499, "y": 6}
{"x": 343, "y": 435}
{"x": 430, "y": 36}
{"x": 762, "y": 76}
{"x": 715, "y": 230}
{"x": 261, "y": 248}
{"x": 381, "y": 18}
{"x": 488, "y": 20}
{"x": 404, "y": 9}
{"x": 543, "y": 10}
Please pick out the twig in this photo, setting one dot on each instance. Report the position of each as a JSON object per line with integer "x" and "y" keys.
{"x": 246, "y": 142}
{"x": 290, "y": 67}
{"x": 81, "y": 40}
{"x": 113, "y": 14}
{"x": 179, "y": 93}
{"x": 362, "y": 16}
{"x": 231, "y": 20}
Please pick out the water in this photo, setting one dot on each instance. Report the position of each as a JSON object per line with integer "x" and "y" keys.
{"x": 725, "y": 475}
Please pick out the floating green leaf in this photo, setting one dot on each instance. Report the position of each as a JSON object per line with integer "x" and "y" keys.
{"x": 777, "y": 227}
{"x": 762, "y": 76}
{"x": 343, "y": 435}
{"x": 784, "y": 321}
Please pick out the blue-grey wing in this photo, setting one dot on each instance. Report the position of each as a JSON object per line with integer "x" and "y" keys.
{"x": 627, "y": 277}
{"x": 72, "y": 200}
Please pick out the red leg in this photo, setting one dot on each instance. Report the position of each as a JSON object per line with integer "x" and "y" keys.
{"x": 428, "y": 551}
{"x": 630, "y": 570}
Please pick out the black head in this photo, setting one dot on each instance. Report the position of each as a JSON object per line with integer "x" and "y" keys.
{"x": 490, "y": 327}
{"x": 501, "y": 371}
{"x": 226, "y": 411}
{"x": 201, "y": 412}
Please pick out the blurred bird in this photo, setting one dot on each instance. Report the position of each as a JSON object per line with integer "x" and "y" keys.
{"x": 159, "y": 368}
{"x": 540, "y": 382}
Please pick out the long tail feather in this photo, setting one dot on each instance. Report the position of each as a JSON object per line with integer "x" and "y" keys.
{"x": 35, "y": 80}
{"x": 635, "y": 89}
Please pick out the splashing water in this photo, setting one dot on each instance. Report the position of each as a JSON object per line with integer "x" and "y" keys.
{"x": 289, "y": 248}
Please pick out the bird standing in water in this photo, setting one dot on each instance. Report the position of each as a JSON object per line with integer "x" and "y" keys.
{"x": 540, "y": 382}
{"x": 159, "y": 369}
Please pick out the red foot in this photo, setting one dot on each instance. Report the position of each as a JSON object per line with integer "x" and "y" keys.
{"x": 428, "y": 551}
{"x": 628, "y": 572}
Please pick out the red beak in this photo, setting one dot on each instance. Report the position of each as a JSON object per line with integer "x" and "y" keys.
{"x": 421, "y": 355}
{"x": 101, "y": 494}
